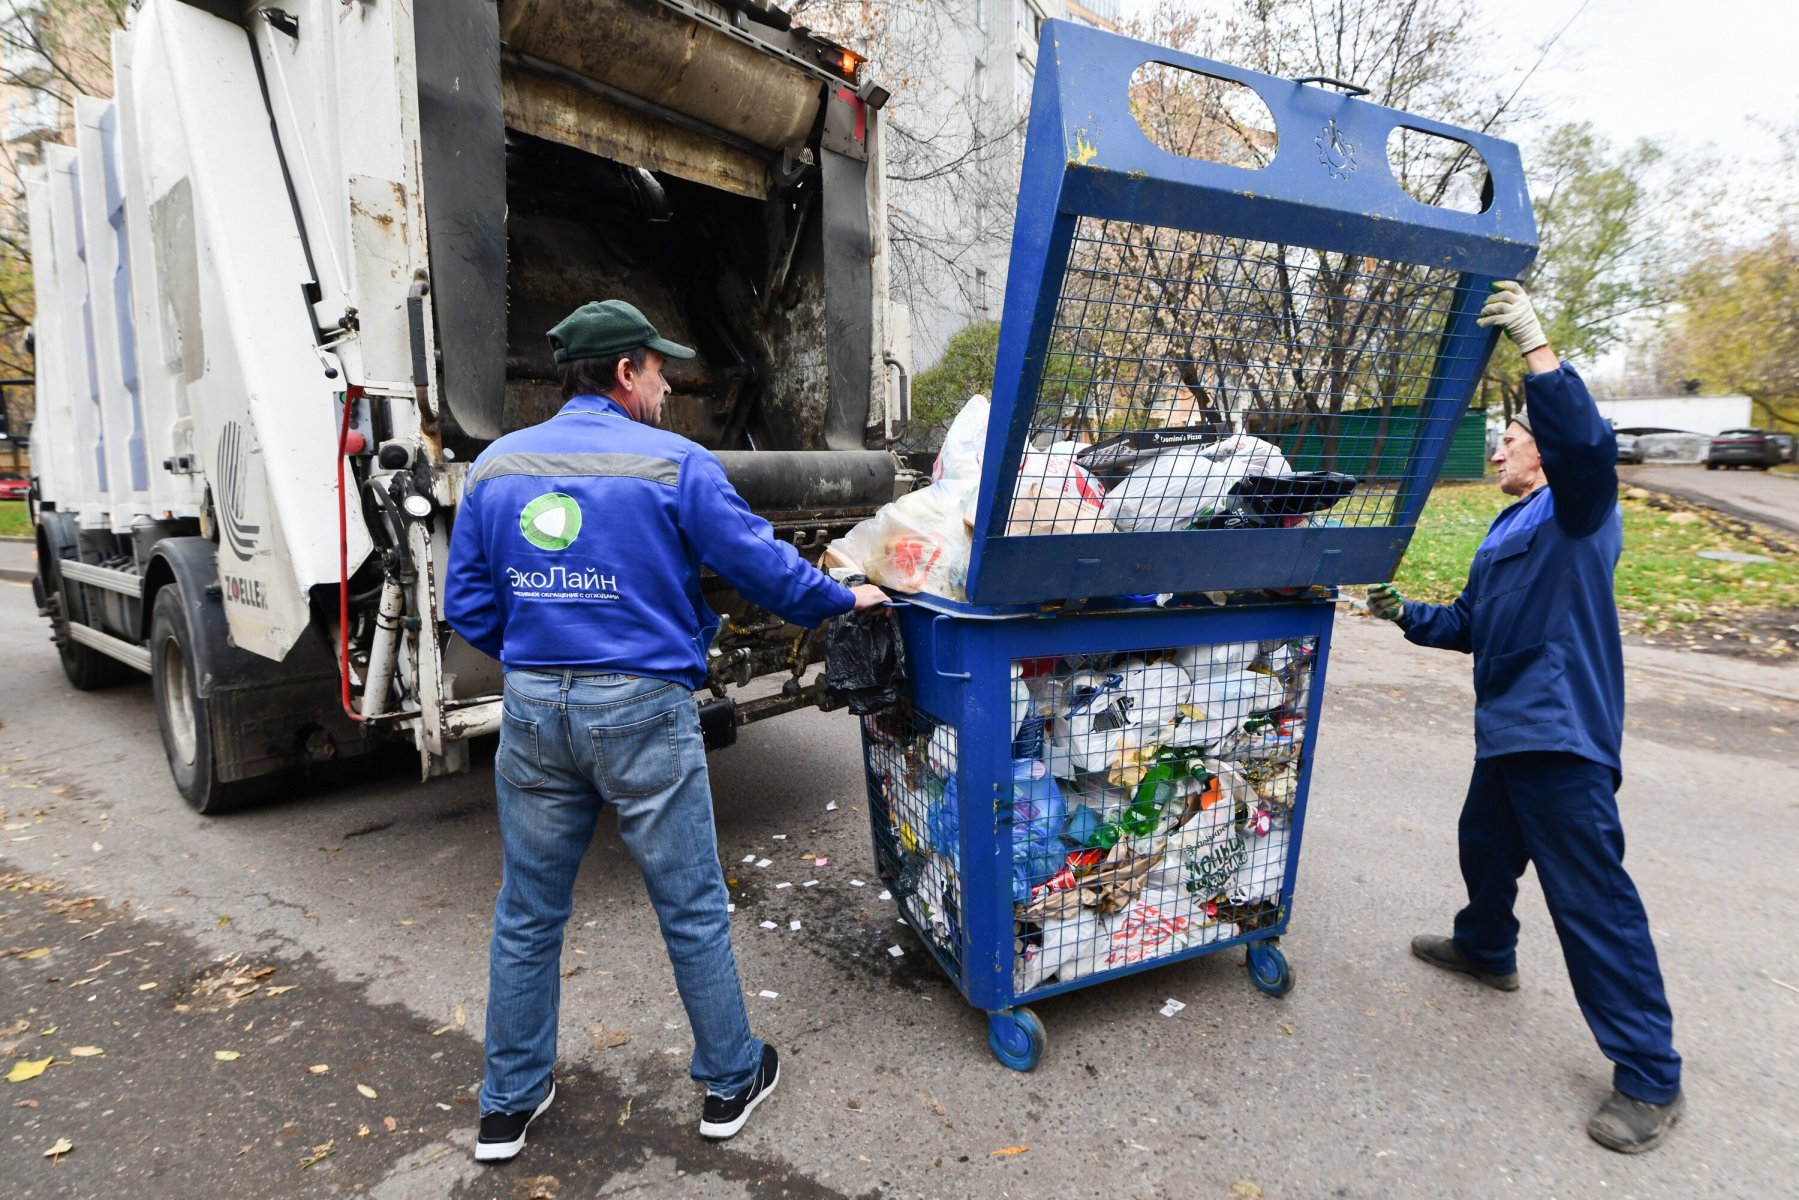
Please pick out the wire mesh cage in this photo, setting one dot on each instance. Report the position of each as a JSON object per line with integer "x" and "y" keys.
{"x": 1153, "y": 801}
{"x": 1229, "y": 368}
{"x": 1058, "y": 802}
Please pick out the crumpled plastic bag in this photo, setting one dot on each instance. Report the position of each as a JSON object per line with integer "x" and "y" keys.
{"x": 918, "y": 543}
{"x": 865, "y": 660}
{"x": 1264, "y": 867}
{"x": 1162, "y": 922}
{"x": 1054, "y": 494}
{"x": 964, "y": 443}
{"x": 1090, "y": 713}
{"x": 1038, "y": 815}
{"x": 1183, "y": 484}
{"x": 1072, "y": 948}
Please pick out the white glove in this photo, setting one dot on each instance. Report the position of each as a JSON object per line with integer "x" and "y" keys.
{"x": 1509, "y": 308}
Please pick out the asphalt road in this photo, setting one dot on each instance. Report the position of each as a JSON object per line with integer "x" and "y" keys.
{"x": 1376, "y": 1077}
{"x": 1753, "y": 495}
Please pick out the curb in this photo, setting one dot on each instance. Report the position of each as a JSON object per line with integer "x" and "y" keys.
{"x": 14, "y": 575}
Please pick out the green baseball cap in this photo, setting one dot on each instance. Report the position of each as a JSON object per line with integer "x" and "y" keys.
{"x": 601, "y": 328}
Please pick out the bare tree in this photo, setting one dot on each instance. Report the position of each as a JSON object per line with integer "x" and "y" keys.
{"x": 952, "y": 153}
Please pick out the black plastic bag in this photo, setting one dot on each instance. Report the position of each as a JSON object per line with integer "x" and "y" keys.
{"x": 865, "y": 660}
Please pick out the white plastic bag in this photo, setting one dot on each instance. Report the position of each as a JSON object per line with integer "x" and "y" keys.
{"x": 1073, "y": 947}
{"x": 1170, "y": 491}
{"x": 964, "y": 444}
{"x": 1054, "y": 494}
{"x": 1265, "y": 868}
{"x": 1178, "y": 486}
{"x": 918, "y": 543}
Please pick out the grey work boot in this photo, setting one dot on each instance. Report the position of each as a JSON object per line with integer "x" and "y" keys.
{"x": 1631, "y": 1126}
{"x": 1441, "y": 952}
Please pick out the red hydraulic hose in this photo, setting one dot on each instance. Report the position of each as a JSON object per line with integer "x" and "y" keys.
{"x": 351, "y": 395}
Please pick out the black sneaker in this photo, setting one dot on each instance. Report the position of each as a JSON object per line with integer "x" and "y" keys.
{"x": 1441, "y": 952}
{"x": 1631, "y": 1126}
{"x": 503, "y": 1134}
{"x": 725, "y": 1115}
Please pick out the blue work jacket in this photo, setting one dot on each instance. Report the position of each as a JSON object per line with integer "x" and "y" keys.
{"x": 1538, "y": 613}
{"x": 579, "y": 543}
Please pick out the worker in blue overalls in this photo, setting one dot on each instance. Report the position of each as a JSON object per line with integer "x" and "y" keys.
{"x": 1539, "y": 617}
{"x": 575, "y": 561}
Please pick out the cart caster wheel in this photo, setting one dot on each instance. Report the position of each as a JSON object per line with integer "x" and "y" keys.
{"x": 1268, "y": 969}
{"x": 1016, "y": 1038}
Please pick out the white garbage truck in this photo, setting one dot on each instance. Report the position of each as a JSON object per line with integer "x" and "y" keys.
{"x": 296, "y": 272}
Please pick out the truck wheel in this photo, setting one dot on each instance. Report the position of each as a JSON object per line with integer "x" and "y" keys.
{"x": 88, "y": 669}
{"x": 184, "y": 716}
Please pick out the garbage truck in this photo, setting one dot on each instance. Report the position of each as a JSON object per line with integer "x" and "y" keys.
{"x": 296, "y": 272}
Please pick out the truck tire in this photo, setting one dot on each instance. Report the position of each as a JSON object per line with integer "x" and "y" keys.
{"x": 88, "y": 670}
{"x": 185, "y": 716}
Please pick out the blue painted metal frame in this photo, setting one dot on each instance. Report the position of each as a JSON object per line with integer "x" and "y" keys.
{"x": 962, "y": 676}
{"x": 1085, "y": 155}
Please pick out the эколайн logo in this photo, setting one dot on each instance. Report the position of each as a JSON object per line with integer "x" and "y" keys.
{"x": 551, "y": 522}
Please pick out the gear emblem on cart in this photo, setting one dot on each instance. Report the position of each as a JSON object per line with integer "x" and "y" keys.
{"x": 551, "y": 522}
{"x": 1336, "y": 151}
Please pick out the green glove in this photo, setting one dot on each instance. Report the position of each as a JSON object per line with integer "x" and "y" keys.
{"x": 1385, "y": 602}
{"x": 1510, "y": 309}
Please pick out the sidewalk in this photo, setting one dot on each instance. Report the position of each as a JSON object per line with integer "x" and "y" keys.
{"x": 18, "y": 561}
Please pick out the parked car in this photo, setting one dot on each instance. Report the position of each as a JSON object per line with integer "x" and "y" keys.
{"x": 1743, "y": 448}
{"x": 13, "y": 485}
{"x": 1785, "y": 442}
{"x": 1628, "y": 450}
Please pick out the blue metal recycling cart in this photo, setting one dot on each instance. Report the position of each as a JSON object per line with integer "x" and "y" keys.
{"x": 1225, "y": 385}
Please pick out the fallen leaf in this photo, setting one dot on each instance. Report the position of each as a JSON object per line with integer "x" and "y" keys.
{"x": 24, "y": 1103}
{"x": 86, "y": 1051}
{"x": 539, "y": 1187}
{"x": 442, "y": 1029}
{"x": 48, "y": 1031}
{"x": 262, "y": 972}
{"x": 226, "y": 1055}
{"x": 62, "y": 1147}
{"x": 368, "y": 1091}
{"x": 930, "y": 1102}
{"x": 276, "y": 991}
{"x": 607, "y": 1039}
{"x": 27, "y": 1068}
{"x": 223, "y": 921}
{"x": 319, "y": 1068}
{"x": 362, "y": 1131}
{"x": 1243, "y": 1189}
{"x": 390, "y": 1123}
{"x": 1008, "y": 1151}
{"x": 461, "y": 1015}
{"x": 144, "y": 987}
{"x": 319, "y": 1154}
{"x": 1287, "y": 1029}
{"x": 626, "y": 1114}
{"x": 40, "y": 952}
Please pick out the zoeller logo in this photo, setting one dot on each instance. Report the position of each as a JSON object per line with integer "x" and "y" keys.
{"x": 551, "y": 522}
{"x": 228, "y": 492}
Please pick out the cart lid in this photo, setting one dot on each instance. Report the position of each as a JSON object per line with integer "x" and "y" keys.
{"x": 1259, "y": 353}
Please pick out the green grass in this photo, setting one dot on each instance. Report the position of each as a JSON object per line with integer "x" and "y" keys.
{"x": 14, "y": 521}
{"x": 1661, "y": 581}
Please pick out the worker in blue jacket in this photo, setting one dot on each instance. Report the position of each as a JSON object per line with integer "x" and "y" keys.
{"x": 1539, "y": 617}
{"x": 576, "y": 561}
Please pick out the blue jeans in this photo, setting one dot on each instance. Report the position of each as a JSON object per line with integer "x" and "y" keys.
{"x": 569, "y": 743}
{"x": 1558, "y": 811}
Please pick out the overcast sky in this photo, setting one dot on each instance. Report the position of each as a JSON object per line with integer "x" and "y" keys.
{"x": 1685, "y": 72}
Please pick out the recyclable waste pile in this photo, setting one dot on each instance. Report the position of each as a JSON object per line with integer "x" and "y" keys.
{"x": 1152, "y": 804}
{"x": 922, "y": 541}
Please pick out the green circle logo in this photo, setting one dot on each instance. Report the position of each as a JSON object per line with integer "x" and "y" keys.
{"x": 551, "y": 522}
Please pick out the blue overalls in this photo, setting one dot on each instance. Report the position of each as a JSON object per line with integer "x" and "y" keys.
{"x": 1539, "y": 617}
